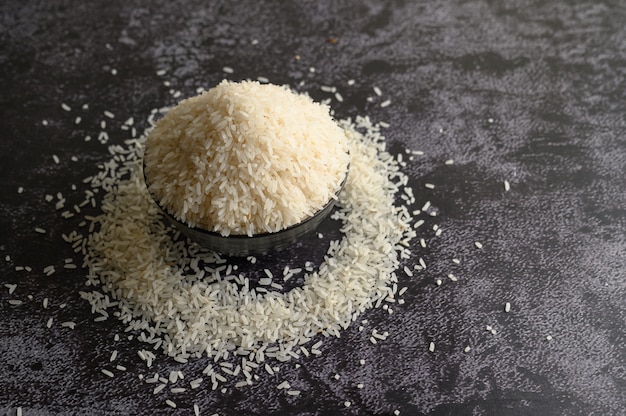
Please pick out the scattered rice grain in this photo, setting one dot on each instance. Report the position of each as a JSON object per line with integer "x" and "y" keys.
{"x": 107, "y": 373}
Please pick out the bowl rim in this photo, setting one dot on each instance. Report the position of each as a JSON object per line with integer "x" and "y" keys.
{"x": 215, "y": 234}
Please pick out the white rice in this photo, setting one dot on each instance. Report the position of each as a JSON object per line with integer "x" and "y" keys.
{"x": 173, "y": 377}
{"x": 246, "y": 158}
{"x": 283, "y": 385}
{"x": 137, "y": 266}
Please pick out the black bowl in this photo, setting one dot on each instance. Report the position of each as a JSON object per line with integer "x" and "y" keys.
{"x": 258, "y": 244}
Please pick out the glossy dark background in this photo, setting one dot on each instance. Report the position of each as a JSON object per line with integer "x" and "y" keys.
{"x": 550, "y": 75}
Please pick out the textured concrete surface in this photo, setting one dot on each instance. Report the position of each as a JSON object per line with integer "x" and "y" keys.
{"x": 530, "y": 92}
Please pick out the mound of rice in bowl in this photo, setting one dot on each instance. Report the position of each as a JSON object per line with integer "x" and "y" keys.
{"x": 245, "y": 158}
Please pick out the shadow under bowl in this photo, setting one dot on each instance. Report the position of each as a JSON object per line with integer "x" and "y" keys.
{"x": 258, "y": 244}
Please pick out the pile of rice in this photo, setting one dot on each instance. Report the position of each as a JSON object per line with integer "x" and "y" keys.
{"x": 189, "y": 302}
{"x": 246, "y": 158}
